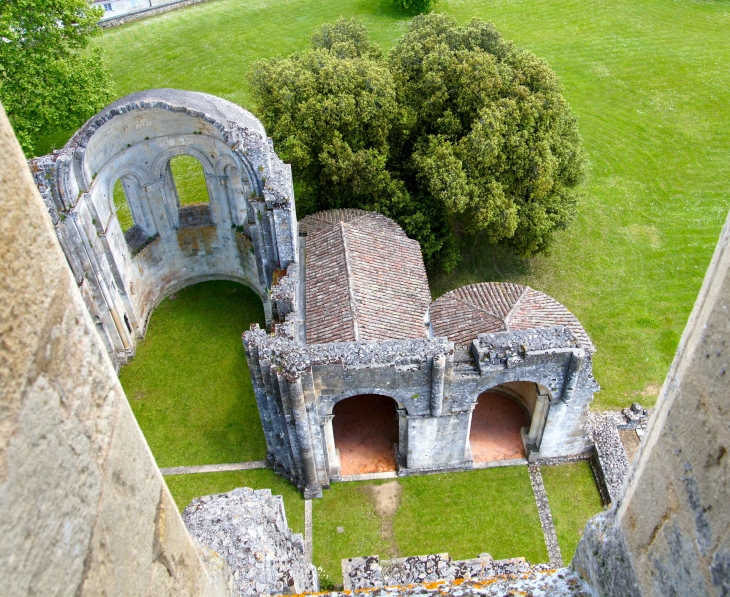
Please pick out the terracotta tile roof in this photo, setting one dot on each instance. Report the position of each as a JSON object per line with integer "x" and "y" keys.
{"x": 325, "y": 219}
{"x": 365, "y": 279}
{"x": 464, "y": 313}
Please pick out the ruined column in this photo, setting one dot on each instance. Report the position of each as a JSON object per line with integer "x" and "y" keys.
{"x": 571, "y": 375}
{"x": 538, "y": 419}
{"x": 333, "y": 461}
{"x": 438, "y": 371}
{"x": 301, "y": 422}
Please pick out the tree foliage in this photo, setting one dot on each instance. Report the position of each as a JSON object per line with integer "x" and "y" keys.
{"x": 455, "y": 133}
{"x": 47, "y": 81}
{"x": 415, "y": 6}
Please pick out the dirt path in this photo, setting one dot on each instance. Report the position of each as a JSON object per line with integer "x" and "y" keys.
{"x": 386, "y": 498}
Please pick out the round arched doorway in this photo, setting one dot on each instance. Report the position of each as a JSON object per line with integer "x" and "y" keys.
{"x": 365, "y": 429}
{"x": 499, "y": 416}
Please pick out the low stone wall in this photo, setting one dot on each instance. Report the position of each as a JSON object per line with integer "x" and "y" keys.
{"x": 143, "y": 13}
{"x": 370, "y": 573}
{"x": 249, "y": 529}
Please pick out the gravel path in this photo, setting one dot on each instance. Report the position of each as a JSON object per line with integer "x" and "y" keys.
{"x": 546, "y": 517}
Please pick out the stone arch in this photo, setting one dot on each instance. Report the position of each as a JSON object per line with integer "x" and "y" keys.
{"x": 133, "y": 178}
{"x": 365, "y": 431}
{"x": 162, "y": 172}
{"x": 239, "y": 187}
{"x": 163, "y": 159}
{"x": 133, "y": 139}
{"x": 504, "y": 417}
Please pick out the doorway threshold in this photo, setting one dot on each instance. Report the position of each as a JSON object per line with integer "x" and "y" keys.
{"x": 372, "y": 476}
{"x": 497, "y": 463}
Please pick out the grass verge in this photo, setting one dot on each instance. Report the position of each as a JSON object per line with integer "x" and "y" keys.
{"x": 189, "y": 385}
{"x": 491, "y": 510}
{"x": 186, "y": 487}
{"x": 574, "y": 498}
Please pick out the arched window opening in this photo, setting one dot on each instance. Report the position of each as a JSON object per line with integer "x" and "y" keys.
{"x": 121, "y": 205}
{"x": 365, "y": 429}
{"x": 498, "y": 419}
{"x": 189, "y": 179}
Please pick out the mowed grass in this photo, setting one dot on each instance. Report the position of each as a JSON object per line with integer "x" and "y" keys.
{"x": 650, "y": 83}
{"x": 491, "y": 510}
{"x": 189, "y": 385}
{"x": 186, "y": 487}
{"x": 574, "y": 498}
{"x": 189, "y": 178}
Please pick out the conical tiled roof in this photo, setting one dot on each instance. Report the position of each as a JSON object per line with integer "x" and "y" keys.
{"x": 462, "y": 314}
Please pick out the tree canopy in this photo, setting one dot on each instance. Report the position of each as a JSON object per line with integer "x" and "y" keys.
{"x": 455, "y": 133}
{"x": 46, "y": 82}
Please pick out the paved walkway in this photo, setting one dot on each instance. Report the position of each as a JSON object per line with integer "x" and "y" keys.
{"x": 546, "y": 517}
{"x": 308, "y": 531}
{"x": 213, "y": 468}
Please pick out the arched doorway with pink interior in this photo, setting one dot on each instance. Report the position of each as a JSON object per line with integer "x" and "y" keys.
{"x": 502, "y": 421}
{"x": 365, "y": 429}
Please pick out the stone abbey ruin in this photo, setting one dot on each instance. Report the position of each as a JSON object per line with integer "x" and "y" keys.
{"x": 345, "y": 293}
{"x": 350, "y": 315}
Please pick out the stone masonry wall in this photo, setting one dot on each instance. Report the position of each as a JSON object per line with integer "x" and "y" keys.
{"x": 85, "y": 509}
{"x": 669, "y": 533}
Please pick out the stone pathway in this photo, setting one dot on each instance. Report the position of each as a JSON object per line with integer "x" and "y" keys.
{"x": 213, "y": 468}
{"x": 308, "y": 531}
{"x": 546, "y": 517}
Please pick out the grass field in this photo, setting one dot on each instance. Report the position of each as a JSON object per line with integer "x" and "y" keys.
{"x": 189, "y": 385}
{"x": 186, "y": 487}
{"x": 650, "y": 82}
{"x": 573, "y": 498}
{"x": 491, "y": 510}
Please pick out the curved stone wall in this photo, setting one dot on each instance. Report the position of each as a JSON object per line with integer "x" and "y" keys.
{"x": 244, "y": 233}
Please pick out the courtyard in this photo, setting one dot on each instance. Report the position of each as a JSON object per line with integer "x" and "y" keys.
{"x": 190, "y": 391}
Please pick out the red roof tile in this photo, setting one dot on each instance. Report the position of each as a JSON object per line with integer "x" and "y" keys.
{"x": 365, "y": 279}
{"x": 462, "y": 314}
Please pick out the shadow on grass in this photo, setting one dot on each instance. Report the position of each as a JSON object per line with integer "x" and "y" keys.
{"x": 480, "y": 262}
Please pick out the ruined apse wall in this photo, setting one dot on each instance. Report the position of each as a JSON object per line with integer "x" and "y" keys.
{"x": 85, "y": 509}
{"x": 669, "y": 534}
{"x": 246, "y": 233}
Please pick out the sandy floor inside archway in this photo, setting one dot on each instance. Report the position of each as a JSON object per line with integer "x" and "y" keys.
{"x": 495, "y": 429}
{"x": 366, "y": 429}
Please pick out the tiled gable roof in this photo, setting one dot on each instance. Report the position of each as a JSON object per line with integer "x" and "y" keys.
{"x": 365, "y": 279}
{"x": 462, "y": 314}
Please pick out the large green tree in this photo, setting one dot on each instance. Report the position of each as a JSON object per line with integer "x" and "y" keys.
{"x": 455, "y": 133}
{"x": 490, "y": 138}
{"x": 47, "y": 81}
{"x": 332, "y": 111}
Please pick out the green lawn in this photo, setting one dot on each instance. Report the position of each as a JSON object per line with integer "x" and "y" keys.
{"x": 189, "y": 385}
{"x": 186, "y": 487}
{"x": 573, "y": 498}
{"x": 124, "y": 213}
{"x": 189, "y": 180}
{"x": 491, "y": 510}
{"x": 650, "y": 82}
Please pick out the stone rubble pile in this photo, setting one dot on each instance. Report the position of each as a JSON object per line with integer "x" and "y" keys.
{"x": 370, "y": 573}
{"x": 249, "y": 529}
